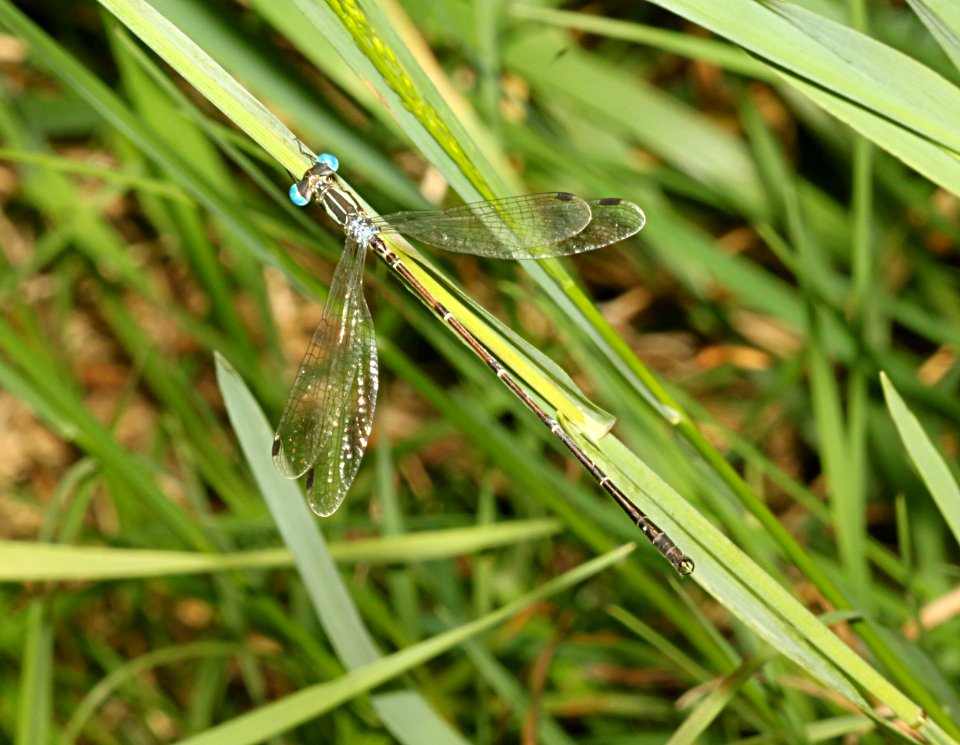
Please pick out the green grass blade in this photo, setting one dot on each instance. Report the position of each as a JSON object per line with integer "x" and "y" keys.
{"x": 751, "y": 595}
{"x": 942, "y": 18}
{"x": 34, "y": 711}
{"x": 931, "y": 466}
{"x": 31, "y": 562}
{"x": 706, "y": 712}
{"x": 888, "y": 97}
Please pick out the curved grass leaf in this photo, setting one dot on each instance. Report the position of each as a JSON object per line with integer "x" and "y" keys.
{"x": 894, "y": 97}
{"x": 925, "y": 456}
{"x": 942, "y": 18}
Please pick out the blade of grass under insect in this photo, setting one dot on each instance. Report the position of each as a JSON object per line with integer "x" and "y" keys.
{"x": 546, "y": 378}
{"x": 209, "y": 78}
{"x": 760, "y": 603}
{"x": 271, "y": 81}
{"x": 928, "y": 461}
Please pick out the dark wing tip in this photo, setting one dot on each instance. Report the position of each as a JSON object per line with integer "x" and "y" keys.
{"x": 565, "y": 196}
{"x": 276, "y": 446}
{"x": 610, "y": 200}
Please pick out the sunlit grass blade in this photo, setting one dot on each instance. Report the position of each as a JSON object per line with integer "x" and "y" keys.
{"x": 210, "y": 79}
{"x": 31, "y": 562}
{"x": 758, "y": 601}
{"x": 359, "y": 39}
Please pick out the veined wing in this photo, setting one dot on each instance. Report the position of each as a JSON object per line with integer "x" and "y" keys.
{"x": 328, "y": 374}
{"x": 613, "y": 220}
{"x": 347, "y": 415}
{"x": 512, "y": 228}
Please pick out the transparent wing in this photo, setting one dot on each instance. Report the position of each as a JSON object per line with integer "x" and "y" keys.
{"x": 347, "y": 417}
{"x": 512, "y": 228}
{"x": 613, "y": 220}
{"x": 328, "y": 377}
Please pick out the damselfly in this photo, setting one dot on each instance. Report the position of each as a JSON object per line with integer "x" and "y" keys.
{"x": 326, "y": 423}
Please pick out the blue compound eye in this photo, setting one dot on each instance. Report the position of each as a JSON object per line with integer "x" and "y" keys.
{"x": 330, "y": 161}
{"x": 296, "y": 197}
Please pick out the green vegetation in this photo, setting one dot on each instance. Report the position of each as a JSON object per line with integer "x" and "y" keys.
{"x": 778, "y": 348}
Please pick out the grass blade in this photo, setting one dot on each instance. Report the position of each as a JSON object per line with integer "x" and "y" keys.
{"x": 931, "y": 466}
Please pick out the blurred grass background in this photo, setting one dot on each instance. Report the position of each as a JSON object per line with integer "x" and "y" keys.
{"x": 801, "y": 240}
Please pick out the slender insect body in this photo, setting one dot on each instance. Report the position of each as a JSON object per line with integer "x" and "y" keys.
{"x": 332, "y": 402}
